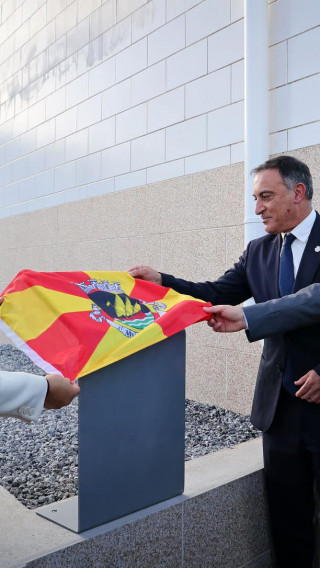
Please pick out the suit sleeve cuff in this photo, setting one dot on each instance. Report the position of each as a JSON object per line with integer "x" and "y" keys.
{"x": 317, "y": 369}
{"x": 167, "y": 280}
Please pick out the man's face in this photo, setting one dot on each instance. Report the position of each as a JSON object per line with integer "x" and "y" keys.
{"x": 274, "y": 202}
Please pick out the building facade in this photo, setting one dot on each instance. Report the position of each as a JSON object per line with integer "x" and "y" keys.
{"x": 122, "y": 142}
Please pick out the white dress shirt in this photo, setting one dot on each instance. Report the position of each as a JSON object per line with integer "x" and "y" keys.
{"x": 301, "y": 232}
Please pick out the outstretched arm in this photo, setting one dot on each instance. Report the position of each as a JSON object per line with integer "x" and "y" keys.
{"x": 284, "y": 314}
{"x": 231, "y": 288}
{"x": 268, "y": 318}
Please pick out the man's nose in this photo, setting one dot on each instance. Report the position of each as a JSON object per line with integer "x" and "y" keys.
{"x": 259, "y": 207}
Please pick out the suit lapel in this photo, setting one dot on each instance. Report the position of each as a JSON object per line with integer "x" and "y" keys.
{"x": 310, "y": 260}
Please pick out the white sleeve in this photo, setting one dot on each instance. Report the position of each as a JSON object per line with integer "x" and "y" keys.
{"x": 22, "y": 395}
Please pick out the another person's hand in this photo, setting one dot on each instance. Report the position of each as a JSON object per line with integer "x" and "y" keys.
{"x": 61, "y": 391}
{"x": 146, "y": 273}
{"x": 226, "y": 319}
{"x": 309, "y": 387}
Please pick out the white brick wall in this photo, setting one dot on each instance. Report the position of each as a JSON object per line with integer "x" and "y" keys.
{"x": 225, "y": 125}
{"x": 169, "y": 39}
{"x": 88, "y": 169}
{"x": 226, "y": 46}
{"x": 278, "y": 142}
{"x": 206, "y": 18}
{"x": 188, "y": 137}
{"x": 237, "y": 10}
{"x": 186, "y": 65}
{"x": 307, "y": 135}
{"x": 295, "y": 104}
{"x": 292, "y": 17}
{"x": 208, "y": 160}
{"x": 237, "y": 81}
{"x": 103, "y": 18}
{"x": 65, "y": 176}
{"x": 148, "y": 150}
{"x": 148, "y": 18}
{"x": 177, "y": 7}
{"x": 55, "y": 103}
{"x": 102, "y": 77}
{"x": 166, "y": 110}
{"x": 116, "y": 99}
{"x": 165, "y": 171}
{"x": 104, "y": 95}
{"x": 207, "y": 93}
{"x": 149, "y": 83}
{"x": 131, "y": 180}
{"x": 66, "y": 123}
{"x": 126, "y": 7}
{"x": 131, "y": 123}
{"x": 131, "y": 60}
{"x": 102, "y": 135}
{"x": 89, "y": 112}
{"x": 303, "y": 55}
{"x": 278, "y": 65}
{"x": 77, "y": 145}
{"x": 117, "y": 38}
{"x": 77, "y": 91}
{"x": 54, "y": 154}
{"x": 116, "y": 160}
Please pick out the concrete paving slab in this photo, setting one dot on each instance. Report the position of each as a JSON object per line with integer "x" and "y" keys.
{"x": 23, "y": 534}
{"x": 213, "y": 470}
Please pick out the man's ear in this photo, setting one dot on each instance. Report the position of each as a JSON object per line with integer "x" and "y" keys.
{"x": 299, "y": 192}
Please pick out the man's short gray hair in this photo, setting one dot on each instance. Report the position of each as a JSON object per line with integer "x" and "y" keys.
{"x": 292, "y": 171}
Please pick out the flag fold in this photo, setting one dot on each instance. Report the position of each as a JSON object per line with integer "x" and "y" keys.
{"x": 74, "y": 323}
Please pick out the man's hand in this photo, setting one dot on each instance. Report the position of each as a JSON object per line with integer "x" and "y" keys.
{"x": 61, "y": 391}
{"x": 146, "y": 273}
{"x": 309, "y": 387}
{"x": 226, "y": 319}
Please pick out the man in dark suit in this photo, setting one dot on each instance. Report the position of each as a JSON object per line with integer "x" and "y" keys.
{"x": 290, "y": 424}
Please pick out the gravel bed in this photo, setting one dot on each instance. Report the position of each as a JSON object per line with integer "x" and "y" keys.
{"x": 39, "y": 461}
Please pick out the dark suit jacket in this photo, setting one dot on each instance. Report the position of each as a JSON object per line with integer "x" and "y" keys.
{"x": 283, "y": 314}
{"x": 256, "y": 274}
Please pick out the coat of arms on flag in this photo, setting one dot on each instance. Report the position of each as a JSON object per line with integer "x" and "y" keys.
{"x": 74, "y": 323}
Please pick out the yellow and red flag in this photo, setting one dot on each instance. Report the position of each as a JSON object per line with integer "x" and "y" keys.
{"x": 74, "y": 323}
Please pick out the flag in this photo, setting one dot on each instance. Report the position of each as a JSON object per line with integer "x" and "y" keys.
{"x": 74, "y": 323}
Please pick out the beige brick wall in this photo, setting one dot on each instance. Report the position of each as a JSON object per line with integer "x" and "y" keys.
{"x": 190, "y": 226}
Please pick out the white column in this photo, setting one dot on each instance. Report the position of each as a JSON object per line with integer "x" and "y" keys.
{"x": 256, "y": 104}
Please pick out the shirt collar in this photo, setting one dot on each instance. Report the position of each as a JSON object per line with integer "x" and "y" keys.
{"x": 303, "y": 230}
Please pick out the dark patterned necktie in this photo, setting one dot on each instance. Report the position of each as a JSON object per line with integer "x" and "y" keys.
{"x": 286, "y": 269}
{"x": 286, "y": 283}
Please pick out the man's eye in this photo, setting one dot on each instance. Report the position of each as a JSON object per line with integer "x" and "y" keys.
{"x": 264, "y": 197}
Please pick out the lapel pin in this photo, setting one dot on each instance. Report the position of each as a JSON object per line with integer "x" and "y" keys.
{"x": 317, "y": 249}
